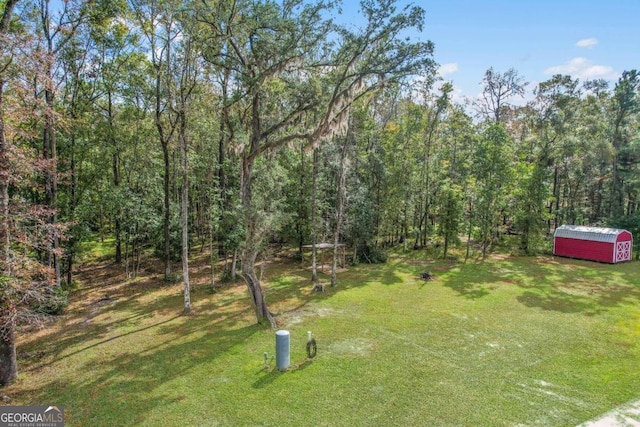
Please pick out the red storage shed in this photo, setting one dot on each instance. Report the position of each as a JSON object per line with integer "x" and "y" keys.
{"x": 610, "y": 245}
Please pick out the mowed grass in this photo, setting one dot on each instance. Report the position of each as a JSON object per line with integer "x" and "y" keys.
{"x": 508, "y": 341}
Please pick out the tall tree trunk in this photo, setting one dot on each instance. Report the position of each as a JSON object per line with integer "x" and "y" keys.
{"x": 51, "y": 181}
{"x": 126, "y": 258}
{"x": 167, "y": 211}
{"x": 314, "y": 213}
{"x": 225, "y": 200}
{"x": 185, "y": 213}
{"x": 8, "y": 361}
{"x": 432, "y": 124}
{"x": 339, "y": 210}
{"x": 615, "y": 197}
{"x": 49, "y": 143}
{"x": 164, "y": 142}
{"x": 212, "y": 257}
{"x": 553, "y": 213}
{"x": 469, "y": 229}
{"x": 234, "y": 264}
{"x": 116, "y": 223}
{"x": 302, "y": 213}
{"x": 115, "y": 167}
{"x": 419, "y": 222}
{"x": 598, "y": 196}
{"x": 72, "y": 208}
{"x": 5, "y": 238}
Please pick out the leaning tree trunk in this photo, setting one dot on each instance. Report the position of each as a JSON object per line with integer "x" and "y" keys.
{"x": 251, "y": 244}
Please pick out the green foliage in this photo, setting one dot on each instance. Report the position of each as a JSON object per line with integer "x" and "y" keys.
{"x": 225, "y": 275}
{"x": 53, "y": 301}
{"x": 371, "y": 254}
{"x": 362, "y": 215}
{"x": 297, "y": 165}
{"x": 172, "y": 278}
{"x": 231, "y": 232}
{"x": 450, "y": 214}
{"x": 269, "y": 197}
{"x": 492, "y": 173}
{"x": 531, "y": 196}
{"x": 155, "y": 231}
{"x": 92, "y": 249}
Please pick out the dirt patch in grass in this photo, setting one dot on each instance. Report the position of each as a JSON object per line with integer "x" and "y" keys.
{"x": 352, "y": 346}
{"x": 303, "y": 312}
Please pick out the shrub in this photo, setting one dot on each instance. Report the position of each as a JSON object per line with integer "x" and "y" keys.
{"x": 173, "y": 278}
{"x": 372, "y": 254}
{"x": 54, "y": 301}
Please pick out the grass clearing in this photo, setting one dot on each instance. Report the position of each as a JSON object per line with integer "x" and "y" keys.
{"x": 511, "y": 341}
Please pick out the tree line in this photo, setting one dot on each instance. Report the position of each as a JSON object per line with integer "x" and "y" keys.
{"x": 171, "y": 127}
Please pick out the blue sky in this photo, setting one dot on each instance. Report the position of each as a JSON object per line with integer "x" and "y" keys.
{"x": 586, "y": 39}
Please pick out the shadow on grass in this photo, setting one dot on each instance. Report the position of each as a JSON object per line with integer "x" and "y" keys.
{"x": 152, "y": 343}
{"x": 269, "y": 377}
{"x": 471, "y": 280}
{"x": 561, "y": 302}
{"x": 548, "y": 283}
{"x": 293, "y": 288}
{"x": 86, "y": 330}
{"x": 471, "y": 288}
{"x": 77, "y": 339}
{"x": 128, "y": 383}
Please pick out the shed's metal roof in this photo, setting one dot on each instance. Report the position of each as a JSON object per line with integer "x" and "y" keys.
{"x": 597, "y": 234}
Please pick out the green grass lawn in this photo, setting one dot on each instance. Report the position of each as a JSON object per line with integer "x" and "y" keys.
{"x": 505, "y": 342}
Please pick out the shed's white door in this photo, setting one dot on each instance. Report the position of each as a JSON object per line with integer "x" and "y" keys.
{"x": 623, "y": 251}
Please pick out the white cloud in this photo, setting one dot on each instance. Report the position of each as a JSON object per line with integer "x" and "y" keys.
{"x": 591, "y": 42}
{"x": 457, "y": 96}
{"x": 583, "y": 69}
{"x": 446, "y": 69}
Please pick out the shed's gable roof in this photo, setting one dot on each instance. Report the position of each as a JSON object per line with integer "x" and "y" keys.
{"x": 594, "y": 234}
